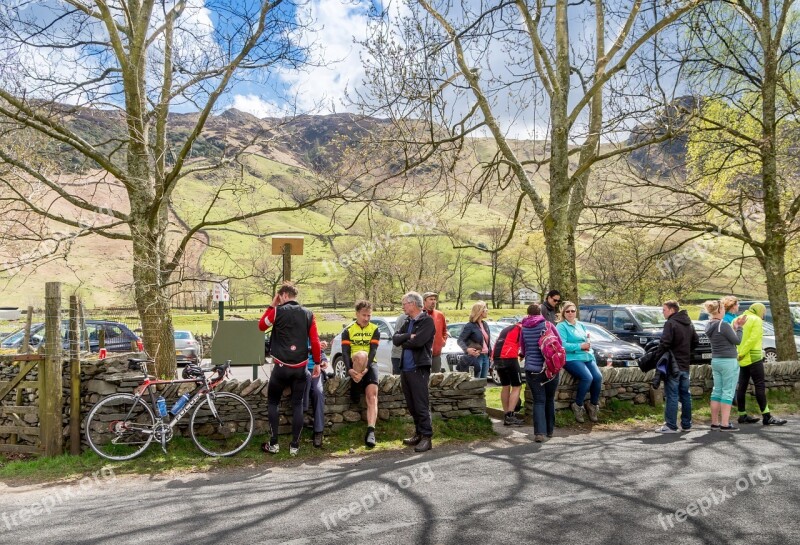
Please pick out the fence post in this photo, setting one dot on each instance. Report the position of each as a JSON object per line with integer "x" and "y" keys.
{"x": 84, "y": 332}
{"x": 25, "y": 347}
{"x": 50, "y": 395}
{"x": 75, "y": 378}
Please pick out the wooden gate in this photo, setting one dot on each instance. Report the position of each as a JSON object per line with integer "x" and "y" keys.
{"x": 19, "y": 429}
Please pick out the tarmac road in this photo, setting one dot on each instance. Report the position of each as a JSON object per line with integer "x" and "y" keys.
{"x": 604, "y": 487}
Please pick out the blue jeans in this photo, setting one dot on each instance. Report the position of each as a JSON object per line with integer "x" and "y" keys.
{"x": 544, "y": 402}
{"x": 674, "y": 388}
{"x": 482, "y": 369}
{"x": 589, "y": 380}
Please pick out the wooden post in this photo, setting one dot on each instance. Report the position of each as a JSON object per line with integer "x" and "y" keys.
{"x": 75, "y": 378}
{"x": 287, "y": 262}
{"x": 50, "y": 395}
{"x": 25, "y": 347}
{"x": 84, "y": 331}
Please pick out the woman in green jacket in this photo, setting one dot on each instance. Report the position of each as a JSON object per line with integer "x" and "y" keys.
{"x": 751, "y": 365}
{"x": 580, "y": 363}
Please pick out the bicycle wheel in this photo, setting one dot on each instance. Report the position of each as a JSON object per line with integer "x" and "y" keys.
{"x": 221, "y": 424}
{"x": 120, "y": 427}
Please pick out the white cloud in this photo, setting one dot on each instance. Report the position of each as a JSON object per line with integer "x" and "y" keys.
{"x": 257, "y": 106}
{"x": 340, "y": 24}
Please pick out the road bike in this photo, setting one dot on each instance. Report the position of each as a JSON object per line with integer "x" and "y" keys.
{"x": 121, "y": 426}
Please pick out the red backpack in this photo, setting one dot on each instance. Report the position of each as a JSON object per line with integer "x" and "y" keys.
{"x": 555, "y": 357}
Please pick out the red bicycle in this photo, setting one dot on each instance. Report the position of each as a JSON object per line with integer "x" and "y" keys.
{"x": 122, "y": 426}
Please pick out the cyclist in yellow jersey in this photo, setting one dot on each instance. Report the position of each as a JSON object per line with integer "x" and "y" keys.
{"x": 363, "y": 336}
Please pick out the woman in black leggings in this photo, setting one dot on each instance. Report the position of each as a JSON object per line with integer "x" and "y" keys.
{"x": 751, "y": 362}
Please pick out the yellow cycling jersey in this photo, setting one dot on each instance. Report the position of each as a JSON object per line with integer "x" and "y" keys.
{"x": 358, "y": 338}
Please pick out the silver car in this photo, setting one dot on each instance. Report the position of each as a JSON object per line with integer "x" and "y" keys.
{"x": 768, "y": 343}
{"x": 452, "y": 349}
{"x": 187, "y": 349}
{"x": 383, "y": 357}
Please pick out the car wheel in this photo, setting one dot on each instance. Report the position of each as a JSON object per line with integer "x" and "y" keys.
{"x": 770, "y": 355}
{"x": 339, "y": 369}
{"x": 494, "y": 376}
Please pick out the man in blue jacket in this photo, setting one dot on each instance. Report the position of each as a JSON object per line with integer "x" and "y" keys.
{"x": 416, "y": 340}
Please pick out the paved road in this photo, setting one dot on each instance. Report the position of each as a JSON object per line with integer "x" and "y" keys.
{"x": 603, "y": 487}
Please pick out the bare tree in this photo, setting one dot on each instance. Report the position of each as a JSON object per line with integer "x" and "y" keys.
{"x": 446, "y": 71}
{"x": 742, "y": 165}
{"x": 131, "y": 63}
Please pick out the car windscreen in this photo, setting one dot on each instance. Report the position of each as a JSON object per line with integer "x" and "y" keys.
{"x": 16, "y": 337}
{"x": 598, "y": 333}
{"x": 649, "y": 317}
{"x": 182, "y": 335}
{"x": 795, "y": 312}
{"x": 768, "y": 329}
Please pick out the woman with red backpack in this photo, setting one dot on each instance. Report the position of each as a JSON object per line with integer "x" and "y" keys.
{"x": 543, "y": 388}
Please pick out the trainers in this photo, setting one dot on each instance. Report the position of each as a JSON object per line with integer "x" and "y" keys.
{"x": 369, "y": 439}
{"x": 747, "y": 419}
{"x": 665, "y": 429}
{"x": 686, "y": 429}
{"x": 513, "y": 420}
{"x": 271, "y": 449}
{"x": 538, "y": 437}
{"x": 729, "y": 427}
{"x": 772, "y": 421}
{"x": 714, "y": 427}
{"x": 591, "y": 410}
{"x": 293, "y": 449}
{"x": 578, "y": 411}
{"x": 318, "y": 439}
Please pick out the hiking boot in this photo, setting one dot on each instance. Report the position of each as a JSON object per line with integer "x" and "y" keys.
{"x": 747, "y": 419}
{"x": 369, "y": 439}
{"x": 413, "y": 440}
{"x": 538, "y": 438}
{"x": 271, "y": 449}
{"x": 665, "y": 429}
{"x": 424, "y": 444}
{"x": 578, "y": 411}
{"x": 293, "y": 449}
{"x": 772, "y": 421}
{"x": 591, "y": 410}
{"x": 318, "y": 439}
{"x": 513, "y": 420}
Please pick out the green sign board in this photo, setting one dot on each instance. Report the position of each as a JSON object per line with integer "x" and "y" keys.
{"x": 237, "y": 340}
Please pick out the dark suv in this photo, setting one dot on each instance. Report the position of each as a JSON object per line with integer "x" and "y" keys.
{"x": 118, "y": 336}
{"x": 639, "y": 324}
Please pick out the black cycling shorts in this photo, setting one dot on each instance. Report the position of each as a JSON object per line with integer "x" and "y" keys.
{"x": 357, "y": 388}
{"x": 509, "y": 372}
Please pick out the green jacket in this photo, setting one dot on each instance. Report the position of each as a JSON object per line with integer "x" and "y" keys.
{"x": 750, "y": 349}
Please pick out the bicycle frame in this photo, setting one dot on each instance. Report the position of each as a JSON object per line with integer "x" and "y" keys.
{"x": 204, "y": 389}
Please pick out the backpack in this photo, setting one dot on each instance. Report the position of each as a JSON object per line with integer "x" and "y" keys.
{"x": 511, "y": 343}
{"x": 555, "y": 357}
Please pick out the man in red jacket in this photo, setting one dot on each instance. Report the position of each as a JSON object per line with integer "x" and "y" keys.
{"x": 430, "y": 299}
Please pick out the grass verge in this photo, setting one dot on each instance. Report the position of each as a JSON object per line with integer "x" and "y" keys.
{"x": 618, "y": 414}
{"x": 182, "y": 456}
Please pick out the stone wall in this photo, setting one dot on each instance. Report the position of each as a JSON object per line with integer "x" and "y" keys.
{"x": 452, "y": 395}
{"x": 630, "y": 384}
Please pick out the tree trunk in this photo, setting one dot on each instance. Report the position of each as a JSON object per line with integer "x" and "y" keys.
{"x": 775, "y": 269}
{"x": 152, "y": 299}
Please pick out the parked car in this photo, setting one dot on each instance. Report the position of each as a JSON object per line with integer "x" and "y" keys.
{"x": 768, "y": 341}
{"x": 118, "y": 336}
{"x": 794, "y": 308}
{"x": 510, "y": 319}
{"x": 639, "y": 324}
{"x": 610, "y": 349}
{"x": 384, "y": 356}
{"x": 187, "y": 349}
{"x": 451, "y": 352}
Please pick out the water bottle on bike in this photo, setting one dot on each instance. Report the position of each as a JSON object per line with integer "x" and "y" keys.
{"x": 176, "y": 408}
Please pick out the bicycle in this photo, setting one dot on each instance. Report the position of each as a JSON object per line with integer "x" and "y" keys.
{"x": 121, "y": 426}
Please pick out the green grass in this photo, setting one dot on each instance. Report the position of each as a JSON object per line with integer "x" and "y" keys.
{"x": 182, "y": 456}
{"x": 626, "y": 413}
